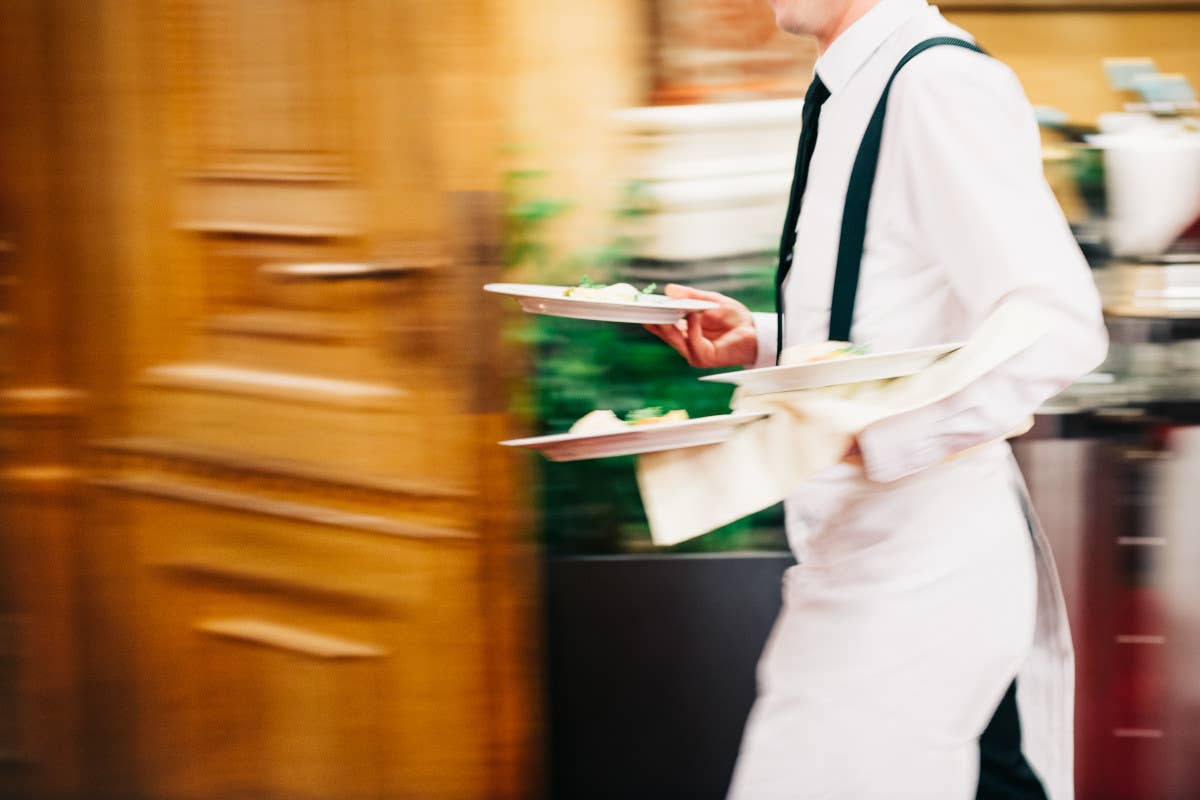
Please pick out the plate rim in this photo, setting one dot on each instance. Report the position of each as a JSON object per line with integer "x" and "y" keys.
{"x": 728, "y": 377}
{"x": 688, "y": 304}
{"x": 554, "y": 438}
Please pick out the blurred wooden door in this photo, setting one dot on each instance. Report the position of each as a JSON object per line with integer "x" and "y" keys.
{"x": 285, "y": 542}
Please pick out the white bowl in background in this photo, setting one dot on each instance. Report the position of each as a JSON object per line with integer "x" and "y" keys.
{"x": 1152, "y": 178}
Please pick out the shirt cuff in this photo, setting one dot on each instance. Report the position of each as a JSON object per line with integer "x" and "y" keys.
{"x": 766, "y": 325}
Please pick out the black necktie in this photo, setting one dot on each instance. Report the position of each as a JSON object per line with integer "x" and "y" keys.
{"x": 816, "y": 96}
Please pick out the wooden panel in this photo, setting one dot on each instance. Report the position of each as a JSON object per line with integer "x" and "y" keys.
{"x": 1057, "y": 54}
{"x": 410, "y": 444}
{"x": 309, "y": 565}
{"x": 226, "y": 379}
{"x": 250, "y": 503}
{"x": 13, "y": 637}
{"x": 284, "y": 597}
{"x": 165, "y": 455}
{"x": 283, "y": 580}
{"x": 287, "y": 638}
{"x": 45, "y": 174}
{"x": 269, "y": 84}
{"x": 271, "y": 208}
{"x": 270, "y": 550}
{"x": 244, "y": 720}
{"x": 7, "y": 318}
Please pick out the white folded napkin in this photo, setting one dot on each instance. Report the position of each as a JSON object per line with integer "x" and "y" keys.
{"x": 693, "y": 490}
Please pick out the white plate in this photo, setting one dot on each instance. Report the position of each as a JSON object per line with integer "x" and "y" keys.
{"x": 640, "y": 439}
{"x": 852, "y": 369}
{"x": 654, "y": 309}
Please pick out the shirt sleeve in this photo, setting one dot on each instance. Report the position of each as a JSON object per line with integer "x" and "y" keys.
{"x": 766, "y": 326}
{"x": 966, "y": 140}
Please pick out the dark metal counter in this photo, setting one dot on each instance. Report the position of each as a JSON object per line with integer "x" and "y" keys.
{"x": 651, "y": 671}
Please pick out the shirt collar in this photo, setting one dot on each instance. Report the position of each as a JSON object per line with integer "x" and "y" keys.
{"x": 849, "y": 51}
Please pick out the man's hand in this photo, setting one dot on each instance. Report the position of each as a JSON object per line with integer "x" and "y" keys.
{"x": 853, "y": 455}
{"x": 719, "y": 337}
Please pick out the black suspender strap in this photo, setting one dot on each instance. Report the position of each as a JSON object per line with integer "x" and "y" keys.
{"x": 858, "y": 201}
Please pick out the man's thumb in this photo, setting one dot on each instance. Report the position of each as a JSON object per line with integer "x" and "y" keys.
{"x": 676, "y": 290}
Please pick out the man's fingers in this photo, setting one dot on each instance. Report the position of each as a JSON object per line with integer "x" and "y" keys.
{"x": 672, "y": 335}
{"x": 701, "y": 348}
{"x": 675, "y": 338}
{"x": 660, "y": 329}
{"x": 719, "y": 319}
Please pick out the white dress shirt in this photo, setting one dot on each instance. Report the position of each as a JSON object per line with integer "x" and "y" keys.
{"x": 960, "y": 219}
{"x": 921, "y": 587}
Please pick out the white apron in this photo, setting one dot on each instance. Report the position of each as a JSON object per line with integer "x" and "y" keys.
{"x": 912, "y": 608}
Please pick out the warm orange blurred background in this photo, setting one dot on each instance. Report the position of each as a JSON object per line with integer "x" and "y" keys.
{"x": 257, "y": 537}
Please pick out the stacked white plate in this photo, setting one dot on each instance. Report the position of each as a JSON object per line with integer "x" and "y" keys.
{"x": 638, "y": 439}
{"x": 846, "y": 369}
{"x": 652, "y": 309}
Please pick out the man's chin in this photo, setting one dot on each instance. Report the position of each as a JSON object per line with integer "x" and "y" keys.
{"x": 787, "y": 24}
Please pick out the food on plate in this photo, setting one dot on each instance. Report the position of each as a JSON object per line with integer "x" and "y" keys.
{"x": 821, "y": 351}
{"x": 605, "y": 421}
{"x": 599, "y": 421}
{"x": 616, "y": 293}
{"x": 654, "y": 415}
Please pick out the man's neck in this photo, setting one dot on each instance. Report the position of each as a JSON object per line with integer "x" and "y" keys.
{"x": 852, "y": 13}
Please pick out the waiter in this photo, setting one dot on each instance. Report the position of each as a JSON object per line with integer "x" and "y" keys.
{"x": 922, "y": 630}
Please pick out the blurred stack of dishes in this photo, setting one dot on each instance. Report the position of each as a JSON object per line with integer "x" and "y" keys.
{"x": 1159, "y": 287}
{"x": 1155, "y": 359}
{"x": 1152, "y": 182}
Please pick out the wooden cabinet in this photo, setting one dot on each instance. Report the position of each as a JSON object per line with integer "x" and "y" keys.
{"x": 264, "y": 543}
{"x": 305, "y": 657}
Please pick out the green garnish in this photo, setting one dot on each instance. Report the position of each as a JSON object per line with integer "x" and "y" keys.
{"x": 648, "y": 290}
{"x": 587, "y": 283}
{"x": 584, "y": 283}
{"x": 644, "y": 413}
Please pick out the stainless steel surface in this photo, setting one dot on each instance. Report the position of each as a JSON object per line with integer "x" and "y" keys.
{"x": 1153, "y": 357}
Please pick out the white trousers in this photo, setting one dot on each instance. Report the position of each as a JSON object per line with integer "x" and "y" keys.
{"x": 912, "y": 609}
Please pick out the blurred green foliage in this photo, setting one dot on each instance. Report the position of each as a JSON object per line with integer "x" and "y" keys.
{"x": 1087, "y": 168}
{"x": 592, "y": 507}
